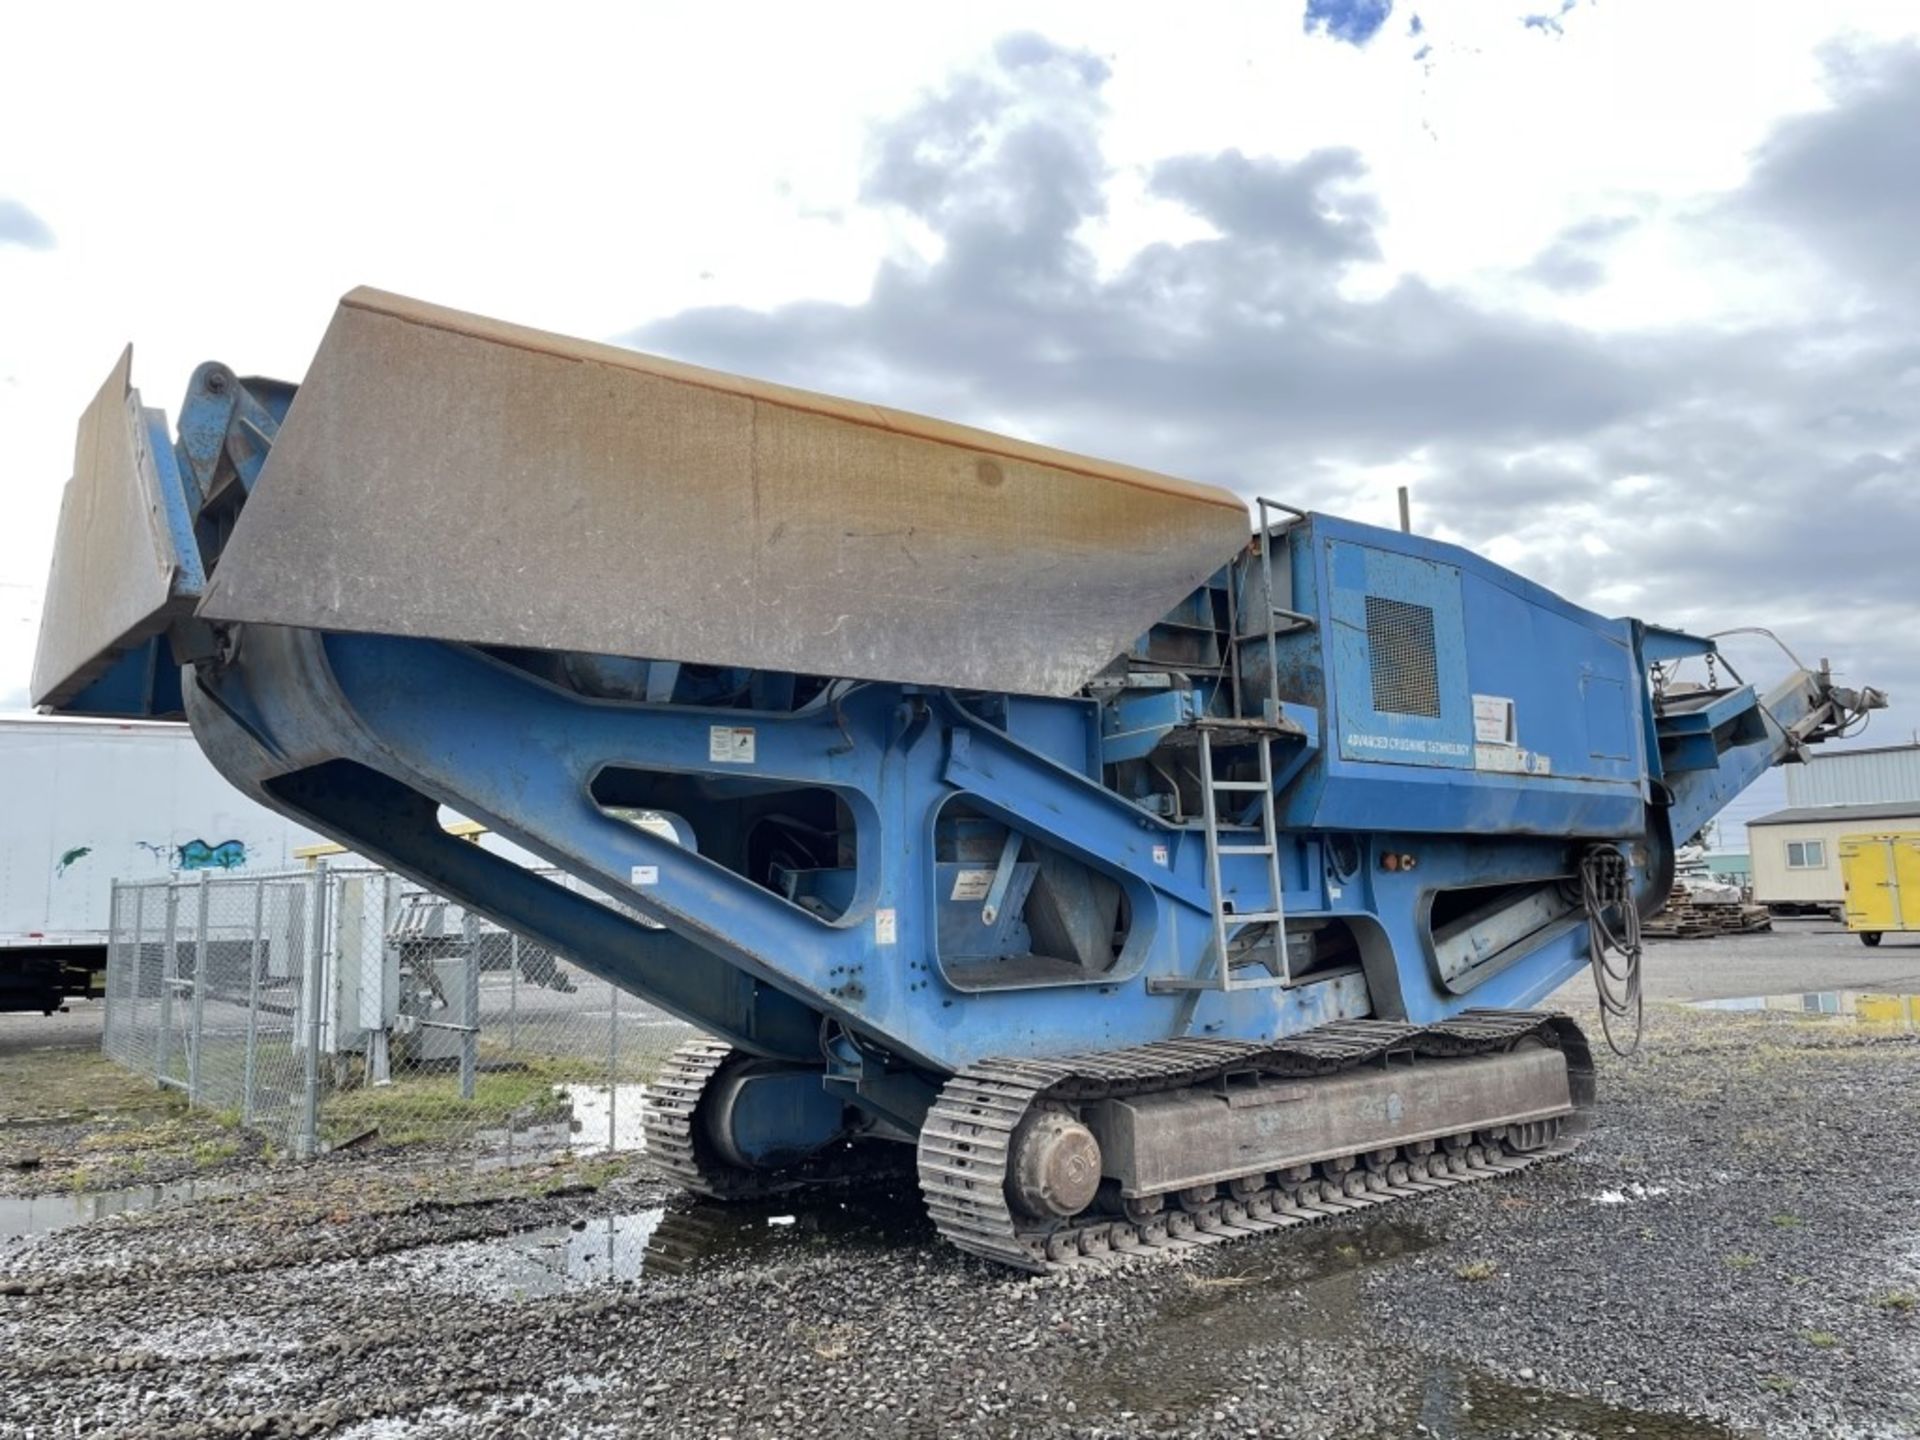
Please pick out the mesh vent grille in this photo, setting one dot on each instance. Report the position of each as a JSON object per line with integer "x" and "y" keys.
{"x": 1406, "y": 675}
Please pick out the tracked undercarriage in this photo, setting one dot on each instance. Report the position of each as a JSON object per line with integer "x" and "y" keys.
{"x": 1091, "y": 1159}
{"x": 684, "y": 1140}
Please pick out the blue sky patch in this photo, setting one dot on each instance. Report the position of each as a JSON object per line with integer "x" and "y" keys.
{"x": 1352, "y": 21}
{"x": 20, "y": 226}
{"x": 1549, "y": 21}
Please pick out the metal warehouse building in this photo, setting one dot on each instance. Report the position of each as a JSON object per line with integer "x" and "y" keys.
{"x": 1796, "y": 851}
{"x": 1856, "y": 777}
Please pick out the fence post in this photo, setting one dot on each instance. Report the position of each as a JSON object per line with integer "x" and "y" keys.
{"x": 169, "y": 968}
{"x": 250, "y": 1067}
{"x": 470, "y": 1006}
{"x": 513, "y": 991}
{"x": 197, "y": 1016}
{"x": 379, "y": 1061}
{"x": 613, "y": 1066}
{"x": 135, "y": 998}
{"x": 116, "y": 949}
{"x": 307, "y": 1144}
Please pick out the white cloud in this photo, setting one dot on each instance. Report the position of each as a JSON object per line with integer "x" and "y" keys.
{"x": 586, "y": 169}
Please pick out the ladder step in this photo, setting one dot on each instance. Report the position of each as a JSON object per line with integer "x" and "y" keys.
{"x": 1246, "y": 849}
{"x": 1255, "y": 917}
{"x": 1247, "y": 785}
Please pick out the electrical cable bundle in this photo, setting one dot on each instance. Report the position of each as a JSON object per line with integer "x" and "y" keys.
{"x": 1606, "y": 885}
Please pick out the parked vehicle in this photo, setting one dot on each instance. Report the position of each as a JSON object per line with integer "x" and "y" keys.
{"x": 90, "y": 802}
{"x": 1881, "y": 875}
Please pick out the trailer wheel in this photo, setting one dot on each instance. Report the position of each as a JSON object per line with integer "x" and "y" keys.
{"x": 1869, "y": 937}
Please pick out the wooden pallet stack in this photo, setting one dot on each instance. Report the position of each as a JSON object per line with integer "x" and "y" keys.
{"x": 1686, "y": 918}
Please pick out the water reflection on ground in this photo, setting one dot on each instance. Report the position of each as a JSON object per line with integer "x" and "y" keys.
{"x": 1867, "y": 1007}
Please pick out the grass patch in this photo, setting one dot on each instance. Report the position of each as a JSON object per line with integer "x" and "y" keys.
{"x": 1788, "y": 1222}
{"x": 1820, "y": 1339}
{"x": 1474, "y": 1271}
{"x": 43, "y": 1081}
{"x": 1900, "y": 1301}
{"x": 1741, "y": 1260}
{"x": 213, "y": 1151}
{"x": 594, "y": 1174}
{"x": 1779, "y": 1384}
{"x": 426, "y": 1106}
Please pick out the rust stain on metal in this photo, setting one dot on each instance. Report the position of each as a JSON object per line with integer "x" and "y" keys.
{"x": 946, "y": 432}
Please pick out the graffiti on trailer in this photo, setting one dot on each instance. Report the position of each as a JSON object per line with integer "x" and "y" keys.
{"x": 198, "y": 854}
{"x": 78, "y": 852}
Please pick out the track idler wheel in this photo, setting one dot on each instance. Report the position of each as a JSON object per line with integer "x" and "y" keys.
{"x": 1056, "y": 1166}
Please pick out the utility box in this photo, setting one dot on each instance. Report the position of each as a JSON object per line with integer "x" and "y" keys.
{"x": 443, "y": 1039}
{"x": 1881, "y": 878}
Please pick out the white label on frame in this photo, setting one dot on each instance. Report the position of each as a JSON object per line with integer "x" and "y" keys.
{"x": 730, "y": 744}
{"x": 644, "y": 875}
{"x": 972, "y": 884}
{"x": 884, "y": 927}
{"x": 1493, "y": 721}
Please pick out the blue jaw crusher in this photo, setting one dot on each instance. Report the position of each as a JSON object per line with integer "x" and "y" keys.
{"x": 1136, "y": 869}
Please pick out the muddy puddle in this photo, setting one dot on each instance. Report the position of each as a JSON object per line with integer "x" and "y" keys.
{"x": 1865, "y": 1007}
{"x": 1456, "y": 1404}
{"x": 42, "y": 1214}
{"x": 1301, "y": 1297}
{"x": 1258, "y": 1294}
{"x": 664, "y": 1240}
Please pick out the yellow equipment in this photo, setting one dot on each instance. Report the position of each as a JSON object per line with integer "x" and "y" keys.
{"x": 1881, "y": 876}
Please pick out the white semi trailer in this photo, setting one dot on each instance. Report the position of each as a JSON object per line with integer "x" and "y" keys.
{"x": 85, "y": 803}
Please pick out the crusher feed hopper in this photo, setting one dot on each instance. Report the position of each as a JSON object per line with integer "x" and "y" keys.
{"x": 1134, "y": 874}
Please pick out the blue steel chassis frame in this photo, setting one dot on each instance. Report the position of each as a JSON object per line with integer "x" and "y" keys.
{"x": 366, "y": 737}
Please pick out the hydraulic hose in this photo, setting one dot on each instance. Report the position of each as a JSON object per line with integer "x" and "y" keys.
{"x": 1606, "y": 886}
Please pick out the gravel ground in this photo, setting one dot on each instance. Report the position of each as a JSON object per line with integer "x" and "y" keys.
{"x": 1734, "y": 1252}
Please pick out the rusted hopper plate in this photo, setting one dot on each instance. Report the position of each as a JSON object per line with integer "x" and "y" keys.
{"x": 119, "y": 576}
{"x": 446, "y": 475}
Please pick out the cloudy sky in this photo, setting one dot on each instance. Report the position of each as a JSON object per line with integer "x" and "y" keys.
{"x": 1628, "y": 293}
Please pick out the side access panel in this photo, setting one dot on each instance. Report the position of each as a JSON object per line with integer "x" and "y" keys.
{"x": 1399, "y": 651}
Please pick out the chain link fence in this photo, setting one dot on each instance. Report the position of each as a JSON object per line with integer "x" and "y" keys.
{"x": 344, "y": 1004}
